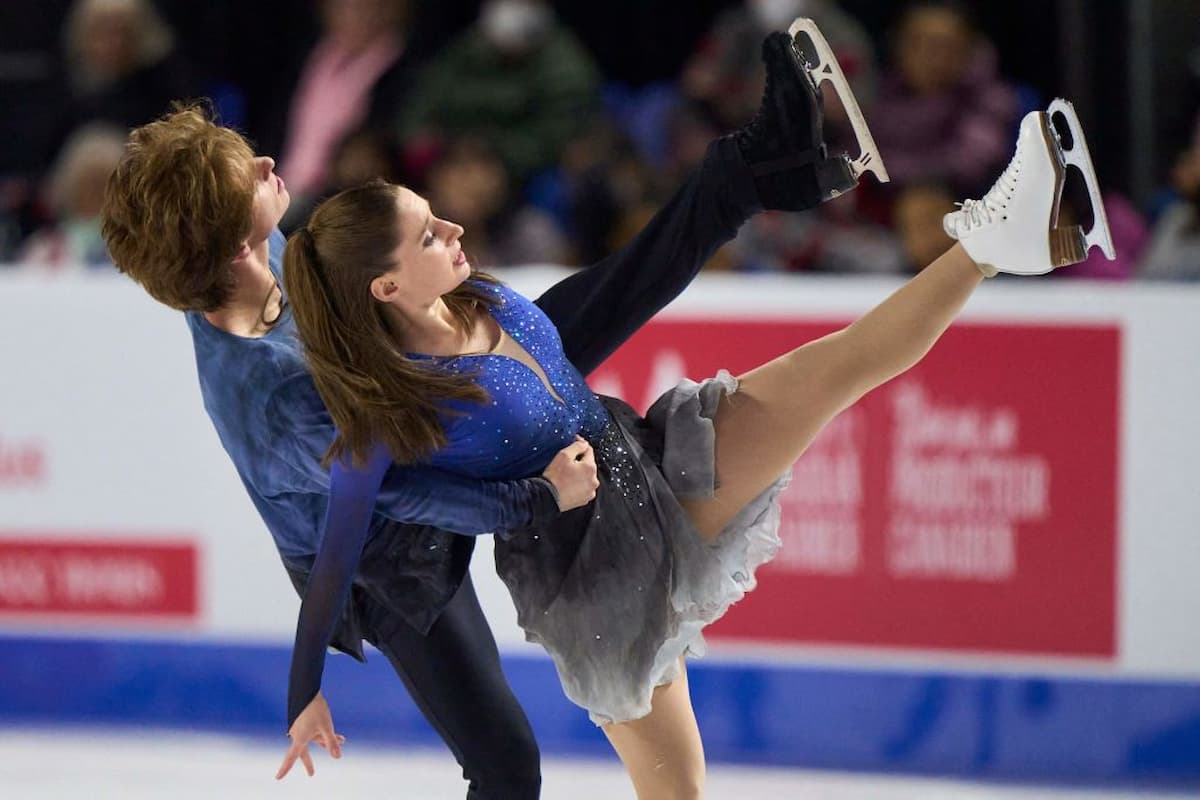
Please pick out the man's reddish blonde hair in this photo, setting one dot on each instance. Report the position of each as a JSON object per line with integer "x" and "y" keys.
{"x": 178, "y": 208}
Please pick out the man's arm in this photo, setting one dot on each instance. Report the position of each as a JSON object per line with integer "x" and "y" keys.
{"x": 426, "y": 496}
{"x": 301, "y": 431}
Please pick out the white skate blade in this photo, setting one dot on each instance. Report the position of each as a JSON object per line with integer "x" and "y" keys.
{"x": 1081, "y": 157}
{"x": 828, "y": 69}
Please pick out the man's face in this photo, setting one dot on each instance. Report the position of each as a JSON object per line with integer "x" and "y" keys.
{"x": 271, "y": 200}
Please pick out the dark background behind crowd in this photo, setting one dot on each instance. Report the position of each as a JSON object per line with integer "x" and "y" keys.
{"x": 552, "y": 130}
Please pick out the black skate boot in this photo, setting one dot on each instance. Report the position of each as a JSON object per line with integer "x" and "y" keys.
{"x": 784, "y": 143}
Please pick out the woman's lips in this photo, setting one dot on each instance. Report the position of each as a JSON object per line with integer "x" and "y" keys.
{"x": 460, "y": 259}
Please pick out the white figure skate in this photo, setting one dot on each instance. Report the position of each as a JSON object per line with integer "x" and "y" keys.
{"x": 828, "y": 69}
{"x": 1014, "y": 228}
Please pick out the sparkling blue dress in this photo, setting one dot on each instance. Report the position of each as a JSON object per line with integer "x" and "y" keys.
{"x": 616, "y": 591}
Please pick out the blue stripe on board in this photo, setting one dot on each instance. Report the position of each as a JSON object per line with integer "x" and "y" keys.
{"x": 1035, "y": 728}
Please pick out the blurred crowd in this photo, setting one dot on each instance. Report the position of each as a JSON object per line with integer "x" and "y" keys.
{"x": 505, "y": 121}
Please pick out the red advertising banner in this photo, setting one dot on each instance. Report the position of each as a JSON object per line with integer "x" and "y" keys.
{"x": 127, "y": 579}
{"x": 970, "y": 504}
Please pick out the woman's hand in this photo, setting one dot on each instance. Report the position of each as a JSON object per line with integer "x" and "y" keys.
{"x": 573, "y": 473}
{"x": 315, "y": 724}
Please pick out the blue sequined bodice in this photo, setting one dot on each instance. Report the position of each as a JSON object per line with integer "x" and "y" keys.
{"x": 522, "y": 426}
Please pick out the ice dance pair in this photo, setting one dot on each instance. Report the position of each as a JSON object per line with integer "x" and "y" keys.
{"x": 191, "y": 214}
{"x": 423, "y": 361}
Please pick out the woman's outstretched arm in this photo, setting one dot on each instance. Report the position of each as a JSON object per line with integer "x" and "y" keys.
{"x": 352, "y": 494}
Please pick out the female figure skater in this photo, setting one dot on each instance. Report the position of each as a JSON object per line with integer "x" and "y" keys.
{"x": 420, "y": 359}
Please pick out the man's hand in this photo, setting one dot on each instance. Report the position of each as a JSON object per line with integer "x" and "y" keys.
{"x": 315, "y": 724}
{"x": 573, "y": 473}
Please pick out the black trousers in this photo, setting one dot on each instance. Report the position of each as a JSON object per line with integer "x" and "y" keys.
{"x": 453, "y": 674}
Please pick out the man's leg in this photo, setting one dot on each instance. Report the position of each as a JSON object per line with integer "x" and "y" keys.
{"x": 454, "y": 676}
{"x": 777, "y": 162}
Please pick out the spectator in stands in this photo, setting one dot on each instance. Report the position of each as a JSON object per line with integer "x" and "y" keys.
{"x": 943, "y": 113}
{"x": 15, "y": 213}
{"x": 1130, "y": 236}
{"x": 75, "y": 192}
{"x": 360, "y": 54}
{"x": 834, "y": 240}
{"x": 121, "y": 66}
{"x": 601, "y": 189}
{"x": 1174, "y": 251}
{"x": 724, "y": 75}
{"x": 721, "y": 84}
{"x": 517, "y": 78}
{"x": 363, "y": 155}
{"x": 917, "y": 219}
{"x": 471, "y": 185}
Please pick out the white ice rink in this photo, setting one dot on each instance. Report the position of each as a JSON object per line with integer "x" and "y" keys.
{"x": 100, "y": 764}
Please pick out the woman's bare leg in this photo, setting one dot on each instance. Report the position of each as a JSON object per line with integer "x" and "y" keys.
{"x": 662, "y": 751}
{"x": 781, "y": 406}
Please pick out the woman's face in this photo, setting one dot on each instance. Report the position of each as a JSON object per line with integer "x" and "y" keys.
{"x": 430, "y": 259}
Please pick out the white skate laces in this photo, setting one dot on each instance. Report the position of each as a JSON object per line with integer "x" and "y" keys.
{"x": 1014, "y": 227}
{"x": 977, "y": 213}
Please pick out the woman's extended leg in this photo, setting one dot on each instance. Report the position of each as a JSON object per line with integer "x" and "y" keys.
{"x": 777, "y": 411}
{"x": 662, "y": 751}
{"x": 781, "y": 406}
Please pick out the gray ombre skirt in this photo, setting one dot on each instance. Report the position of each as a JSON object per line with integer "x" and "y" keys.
{"x": 619, "y": 590}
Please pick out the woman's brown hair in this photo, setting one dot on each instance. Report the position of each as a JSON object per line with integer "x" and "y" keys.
{"x": 372, "y": 390}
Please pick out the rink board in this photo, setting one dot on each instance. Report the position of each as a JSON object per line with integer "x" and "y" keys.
{"x": 989, "y": 565}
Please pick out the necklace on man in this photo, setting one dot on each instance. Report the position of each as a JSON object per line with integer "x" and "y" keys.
{"x": 262, "y": 315}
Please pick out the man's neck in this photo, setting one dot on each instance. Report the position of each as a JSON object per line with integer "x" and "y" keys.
{"x": 255, "y": 299}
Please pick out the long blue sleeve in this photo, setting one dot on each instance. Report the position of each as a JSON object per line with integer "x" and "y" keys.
{"x": 347, "y": 521}
{"x": 468, "y": 506}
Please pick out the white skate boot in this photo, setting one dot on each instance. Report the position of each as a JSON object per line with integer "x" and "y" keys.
{"x": 1014, "y": 228}
{"x": 827, "y": 68}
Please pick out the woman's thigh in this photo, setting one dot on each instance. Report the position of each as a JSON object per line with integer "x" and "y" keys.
{"x": 768, "y": 423}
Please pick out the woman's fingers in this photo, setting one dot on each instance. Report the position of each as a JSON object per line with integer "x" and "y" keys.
{"x": 330, "y": 742}
{"x": 299, "y": 750}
